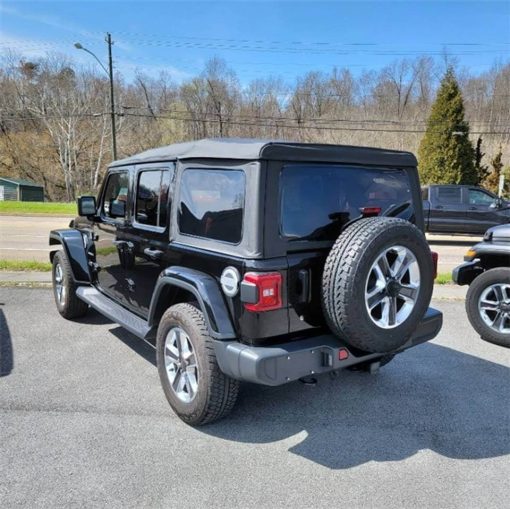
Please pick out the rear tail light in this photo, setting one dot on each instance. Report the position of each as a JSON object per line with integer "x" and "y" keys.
{"x": 267, "y": 291}
{"x": 435, "y": 259}
{"x": 370, "y": 211}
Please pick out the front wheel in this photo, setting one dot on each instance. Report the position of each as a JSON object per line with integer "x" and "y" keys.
{"x": 197, "y": 390}
{"x": 488, "y": 305}
{"x": 64, "y": 288}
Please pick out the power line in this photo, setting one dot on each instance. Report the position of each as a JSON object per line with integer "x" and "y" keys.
{"x": 255, "y": 124}
{"x": 245, "y": 116}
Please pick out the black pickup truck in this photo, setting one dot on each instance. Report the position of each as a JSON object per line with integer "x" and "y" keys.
{"x": 462, "y": 209}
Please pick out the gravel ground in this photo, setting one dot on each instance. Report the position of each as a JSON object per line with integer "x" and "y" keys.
{"x": 83, "y": 422}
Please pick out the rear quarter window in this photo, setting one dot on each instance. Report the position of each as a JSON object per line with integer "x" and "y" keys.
{"x": 212, "y": 204}
{"x": 449, "y": 194}
{"x": 316, "y": 201}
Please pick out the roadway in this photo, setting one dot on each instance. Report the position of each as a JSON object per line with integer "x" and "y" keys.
{"x": 84, "y": 423}
{"x": 26, "y": 238}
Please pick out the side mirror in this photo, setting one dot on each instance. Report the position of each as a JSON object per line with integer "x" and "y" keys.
{"x": 117, "y": 208}
{"x": 497, "y": 204}
{"x": 87, "y": 206}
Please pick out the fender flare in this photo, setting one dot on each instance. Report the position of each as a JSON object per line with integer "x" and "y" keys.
{"x": 206, "y": 291}
{"x": 72, "y": 243}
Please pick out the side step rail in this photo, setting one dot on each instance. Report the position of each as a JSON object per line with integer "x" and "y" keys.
{"x": 107, "y": 307}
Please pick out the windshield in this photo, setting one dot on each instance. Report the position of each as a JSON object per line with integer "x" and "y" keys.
{"x": 318, "y": 200}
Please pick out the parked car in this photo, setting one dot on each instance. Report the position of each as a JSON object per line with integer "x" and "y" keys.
{"x": 487, "y": 272}
{"x": 462, "y": 209}
{"x": 250, "y": 260}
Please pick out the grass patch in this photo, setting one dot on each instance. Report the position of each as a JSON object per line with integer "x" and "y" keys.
{"x": 24, "y": 266}
{"x": 105, "y": 251}
{"x": 444, "y": 278}
{"x": 20, "y": 208}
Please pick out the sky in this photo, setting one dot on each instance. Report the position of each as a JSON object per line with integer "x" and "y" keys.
{"x": 258, "y": 39}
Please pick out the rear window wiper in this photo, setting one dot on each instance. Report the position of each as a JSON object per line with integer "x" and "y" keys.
{"x": 396, "y": 209}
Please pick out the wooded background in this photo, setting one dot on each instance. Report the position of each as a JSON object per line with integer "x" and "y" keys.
{"x": 55, "y": 124}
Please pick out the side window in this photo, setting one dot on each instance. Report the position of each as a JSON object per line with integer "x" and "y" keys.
{"x": 116, "y": 195}
{"x": 449, "y": 194}
{"x": 477, "y": 197}
{"x": 152, "y": 194}
{"x": 212, "y": 204}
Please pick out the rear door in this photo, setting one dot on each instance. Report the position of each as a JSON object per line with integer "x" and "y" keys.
{"x": 149, "y": 233}
{"x": 113, "y": 249}
{"x": 479, "y": 215}
{"x": 447, "y": 210}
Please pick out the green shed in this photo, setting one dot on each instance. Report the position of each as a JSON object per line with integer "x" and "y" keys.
{"x": 20, "y": 190}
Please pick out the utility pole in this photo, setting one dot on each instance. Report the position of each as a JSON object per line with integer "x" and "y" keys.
{"x": 109, "y": 73}
{"x": 112, "y": 97}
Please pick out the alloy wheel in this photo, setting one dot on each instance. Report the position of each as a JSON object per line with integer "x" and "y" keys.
{"x": 181, "y": 364}
{"x": 60, "y": 288}
{"x": 494, "y": 307}
{"x": 392, "y": 287}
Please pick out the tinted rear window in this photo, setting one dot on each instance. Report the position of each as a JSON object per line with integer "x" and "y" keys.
{"x": 317, "y": 200}
{"x": 212, "y": 203}
{"x": 449, "y": 194}
{"x": 152, "y": 197}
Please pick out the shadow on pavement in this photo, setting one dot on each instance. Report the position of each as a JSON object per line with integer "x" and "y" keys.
{"x": 431, "y": 398}
{"x": 6, "y": 353}
{"x": 139, "y": 346}
{"x": 93, "y": 318}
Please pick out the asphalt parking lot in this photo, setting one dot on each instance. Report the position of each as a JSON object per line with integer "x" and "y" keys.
{"x": 85, "y": 423}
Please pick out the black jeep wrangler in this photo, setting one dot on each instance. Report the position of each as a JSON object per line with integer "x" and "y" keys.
{"x": 487, "y": 272}
{"x": 253, "y": 260}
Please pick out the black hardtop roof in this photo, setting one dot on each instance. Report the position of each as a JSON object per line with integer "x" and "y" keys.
{"x": 249, "y": 149}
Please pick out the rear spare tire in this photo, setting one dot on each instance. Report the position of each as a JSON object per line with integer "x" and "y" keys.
{"x": 377, "y": 283}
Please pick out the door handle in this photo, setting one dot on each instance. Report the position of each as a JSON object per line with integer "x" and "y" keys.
{"x": 473, "y": 208}
{"x": 154, "y": 254}
{"x": 439, "y": 207}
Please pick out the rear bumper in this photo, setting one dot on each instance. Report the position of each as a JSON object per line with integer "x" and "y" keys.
{"x": 279, "y": 364}
{"x": 465, "y": 273}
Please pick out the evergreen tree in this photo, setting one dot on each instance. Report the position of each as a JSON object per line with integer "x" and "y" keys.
{"x": 482, "y": 170}
{"x": 446, "y": 155}
{"x": 492, "y": 180}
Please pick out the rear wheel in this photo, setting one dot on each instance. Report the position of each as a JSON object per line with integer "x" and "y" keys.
{"x": 64, "y": 288}
{"x": 488, "y": 305}
{"x": 197, "y": 390}
{"x": 377, "y": 283}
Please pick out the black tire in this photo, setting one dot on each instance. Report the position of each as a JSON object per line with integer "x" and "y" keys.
{"x": 345, "y": 280}
{"x": 216, "y": 393}
{"x": 476, "y": 289}
{"x": 68, "y": 304}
